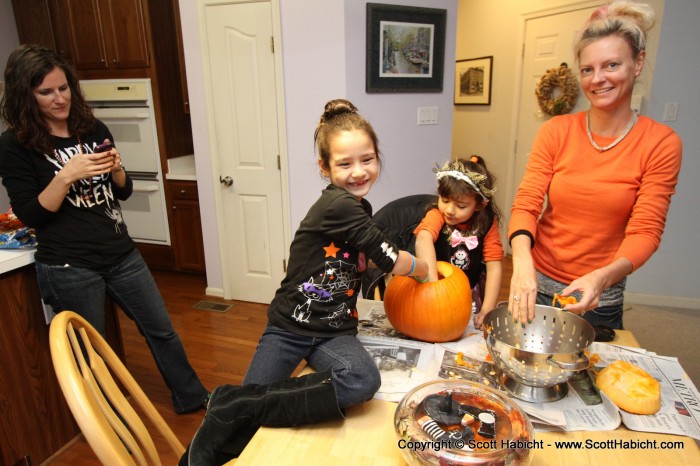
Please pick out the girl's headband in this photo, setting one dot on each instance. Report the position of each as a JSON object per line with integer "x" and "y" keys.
{"x": 473, "y": 179}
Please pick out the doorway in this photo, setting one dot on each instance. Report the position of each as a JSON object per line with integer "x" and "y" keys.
{"x": 548, "y": 43}
{"x": 245, "y": 106}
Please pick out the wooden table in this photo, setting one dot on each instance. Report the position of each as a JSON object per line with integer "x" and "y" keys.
{"x": 367, "y": 437}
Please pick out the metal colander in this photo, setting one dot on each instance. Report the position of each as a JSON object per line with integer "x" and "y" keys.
{"x": 544, "y": 353}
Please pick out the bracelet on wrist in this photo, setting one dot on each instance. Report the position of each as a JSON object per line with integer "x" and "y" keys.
{"x": 413, "y": 265}
{"x": 421, "y": 280}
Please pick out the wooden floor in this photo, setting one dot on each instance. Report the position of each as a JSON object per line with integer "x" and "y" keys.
{"x": 219, "y": 345}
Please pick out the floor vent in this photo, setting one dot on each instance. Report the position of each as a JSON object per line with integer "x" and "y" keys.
{"x": 212, "y": 306}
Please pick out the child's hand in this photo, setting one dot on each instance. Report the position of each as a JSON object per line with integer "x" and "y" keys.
{"x": 479, "y": 319}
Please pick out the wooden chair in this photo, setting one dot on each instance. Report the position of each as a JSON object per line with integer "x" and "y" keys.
{"x": 107, "y": 419}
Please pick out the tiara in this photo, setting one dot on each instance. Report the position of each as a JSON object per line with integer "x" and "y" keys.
{"x": 473, "y": 179}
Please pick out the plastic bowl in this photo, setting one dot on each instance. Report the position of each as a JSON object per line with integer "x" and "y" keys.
{"x": 432, "y": 418}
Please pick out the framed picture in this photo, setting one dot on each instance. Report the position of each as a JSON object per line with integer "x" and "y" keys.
{"x": 405, "y": 48}
{"x": 473, "y": 81}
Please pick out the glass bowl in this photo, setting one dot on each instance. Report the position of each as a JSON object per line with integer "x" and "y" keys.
{"x": 459, "y": 422}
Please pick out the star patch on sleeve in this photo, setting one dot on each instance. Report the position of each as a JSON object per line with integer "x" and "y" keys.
{"x": 331, "y": 250}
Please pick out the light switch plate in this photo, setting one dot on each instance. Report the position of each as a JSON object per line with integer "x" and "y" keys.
{"x": 427, "y": 115}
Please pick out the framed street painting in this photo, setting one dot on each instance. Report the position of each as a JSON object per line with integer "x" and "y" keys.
{"x": 473, "y": 81}
{"x": 405, "y": 48}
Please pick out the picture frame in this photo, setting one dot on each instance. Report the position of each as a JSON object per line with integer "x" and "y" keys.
{"x": 405, "y": 48}
{"x": 473, "y": 79}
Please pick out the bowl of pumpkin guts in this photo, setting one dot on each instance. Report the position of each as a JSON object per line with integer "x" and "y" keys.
{"x": 459, "y": 422}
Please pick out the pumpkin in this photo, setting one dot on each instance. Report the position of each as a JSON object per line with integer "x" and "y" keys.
{"x": 630, "y": 387}
{"x": 434, "y": 311}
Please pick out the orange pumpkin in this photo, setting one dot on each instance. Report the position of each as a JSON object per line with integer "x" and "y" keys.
{"x": 435, "y": 311}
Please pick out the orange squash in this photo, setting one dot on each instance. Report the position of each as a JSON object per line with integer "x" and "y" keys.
{"x": 435, "y": 311}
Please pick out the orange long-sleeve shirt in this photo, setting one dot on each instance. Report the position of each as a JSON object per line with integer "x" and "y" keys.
{"x": 434, "y": 221}
{"x": 600, "y": 205}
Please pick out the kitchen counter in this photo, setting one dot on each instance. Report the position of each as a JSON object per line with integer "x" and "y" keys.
{"x": 181, "y": 168}
{"x": 12, "y": 259}
{"x": 36, "y": 420}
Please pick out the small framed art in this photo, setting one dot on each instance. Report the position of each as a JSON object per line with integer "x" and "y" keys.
{"x": 473, "y": 81}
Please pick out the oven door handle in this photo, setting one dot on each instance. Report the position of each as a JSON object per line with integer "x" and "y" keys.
{"x": 105, "y": 113}
{"x": 147, "y": 189}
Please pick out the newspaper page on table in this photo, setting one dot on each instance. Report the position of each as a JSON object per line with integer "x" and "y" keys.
{"x": 680, "y": 400}
{"x": 405, "y": 363}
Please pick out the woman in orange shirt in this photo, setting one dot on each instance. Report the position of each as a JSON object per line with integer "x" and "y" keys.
{"x": 608, "y": 175}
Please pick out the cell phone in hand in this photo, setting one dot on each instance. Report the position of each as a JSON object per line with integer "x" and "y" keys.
{"x": 104, "y": 147}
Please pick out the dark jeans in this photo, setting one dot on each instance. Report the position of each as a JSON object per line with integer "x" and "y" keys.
{"x": 610, "y": 316}
{"x": 355, "y": 375}
{"x": 131, "y": 285}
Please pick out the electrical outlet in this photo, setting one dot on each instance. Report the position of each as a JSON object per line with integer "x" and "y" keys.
{"x": 670, "y": 111}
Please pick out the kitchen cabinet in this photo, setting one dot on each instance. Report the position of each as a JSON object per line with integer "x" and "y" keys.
{"x": 108, "y": 34}
{"x": 43, "y": 22}
{"x": 36, "y": 421}
{"x": 186, "y": 231}
{"x": 95, "y": 35}
{"x": 100, "y": 37}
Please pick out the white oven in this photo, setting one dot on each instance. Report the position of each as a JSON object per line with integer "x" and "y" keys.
{"x": 126, "y": 107}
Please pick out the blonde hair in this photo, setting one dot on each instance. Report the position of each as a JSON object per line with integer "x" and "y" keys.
{"x": 624, "y": 18}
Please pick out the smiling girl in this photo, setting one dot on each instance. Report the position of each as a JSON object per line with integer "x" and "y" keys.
{"x": 313, "y": 316}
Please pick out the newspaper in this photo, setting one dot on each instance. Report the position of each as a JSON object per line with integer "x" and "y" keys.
{"x": 405, "y": 363}
{"x": 680, "y": 400}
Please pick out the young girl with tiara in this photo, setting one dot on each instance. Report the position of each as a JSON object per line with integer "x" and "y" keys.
{"x": 462, "y": 229}
{"x": 313, "y": 316}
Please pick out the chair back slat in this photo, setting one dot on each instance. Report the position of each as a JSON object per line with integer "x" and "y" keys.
{"x": 108, "y": 420}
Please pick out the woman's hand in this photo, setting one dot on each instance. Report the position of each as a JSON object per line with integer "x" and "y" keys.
{"x": 590, "y": 286}
{"x": 594, "y": 283}
{"x": 85, "y": 166}
{"x": 523, "y": 283}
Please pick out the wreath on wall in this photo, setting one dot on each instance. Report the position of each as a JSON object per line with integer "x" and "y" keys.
{"x": 563, "y": 79}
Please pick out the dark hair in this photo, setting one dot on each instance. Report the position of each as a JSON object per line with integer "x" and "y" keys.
{"x": 340, "y": 115}
{"x": 450, "y": 187}
{"x": 26, "y": 69}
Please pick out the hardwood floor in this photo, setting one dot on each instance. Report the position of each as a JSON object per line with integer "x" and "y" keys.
{"x": 218, "y": 344}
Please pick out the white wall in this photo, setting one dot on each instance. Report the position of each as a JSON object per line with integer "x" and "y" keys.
{"x": 671, "y": 275}
{"x": 410, "y": 151}
{"x": 323, "y": 47}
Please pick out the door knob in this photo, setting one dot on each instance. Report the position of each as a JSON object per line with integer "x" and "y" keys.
{"x": 226, "y": 181}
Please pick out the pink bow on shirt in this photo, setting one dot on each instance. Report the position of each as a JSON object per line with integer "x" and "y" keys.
{"x": 469, "y": 241}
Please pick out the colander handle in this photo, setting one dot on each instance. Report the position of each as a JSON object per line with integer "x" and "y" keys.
{"x": 579, "y": 365}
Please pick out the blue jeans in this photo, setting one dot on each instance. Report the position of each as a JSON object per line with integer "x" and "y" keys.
{"x": 131, "y": 285}
{"x": 610, "y": 316}
{"x": 355, "y": 375}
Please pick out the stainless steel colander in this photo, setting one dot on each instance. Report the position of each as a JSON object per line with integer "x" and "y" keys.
{"x": 538, "y": 360}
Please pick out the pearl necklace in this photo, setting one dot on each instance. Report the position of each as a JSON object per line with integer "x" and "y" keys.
{"x": 631, "y": 124}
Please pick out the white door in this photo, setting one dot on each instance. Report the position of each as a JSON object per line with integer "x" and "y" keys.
{"x": 548, "y": 44}
{"x": 242, "y": 74}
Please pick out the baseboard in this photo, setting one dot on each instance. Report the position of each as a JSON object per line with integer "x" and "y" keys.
{"x": 211, "y": 291}
{"x": 661, "y": 300}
